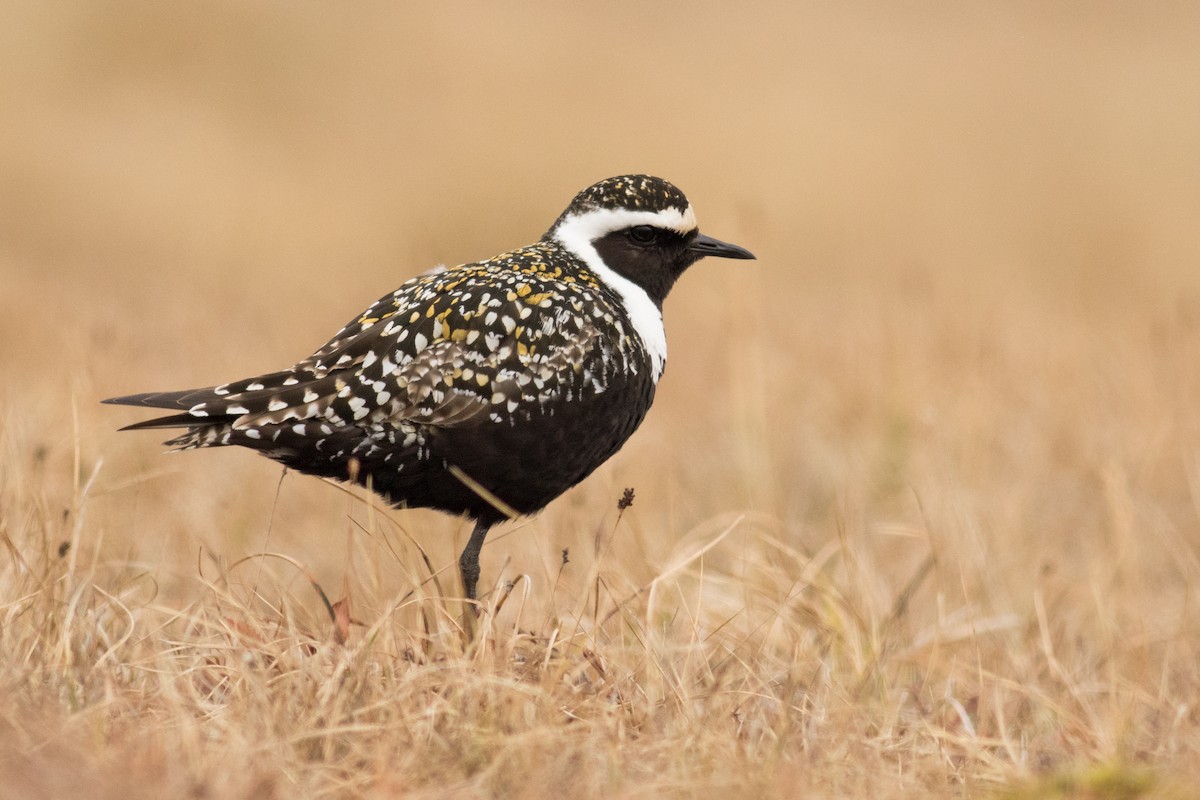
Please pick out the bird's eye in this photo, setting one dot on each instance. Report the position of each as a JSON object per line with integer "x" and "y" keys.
{"x": 643, "y": 234}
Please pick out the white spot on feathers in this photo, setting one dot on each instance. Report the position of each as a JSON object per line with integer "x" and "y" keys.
{"x": 359, "y": 407}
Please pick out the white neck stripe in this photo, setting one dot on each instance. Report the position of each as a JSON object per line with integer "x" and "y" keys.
{"x": 578, "y": 232}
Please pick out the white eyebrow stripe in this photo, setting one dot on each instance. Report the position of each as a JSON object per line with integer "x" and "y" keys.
{"x": 578, "y": 232}
{"x": 601, "y": 221}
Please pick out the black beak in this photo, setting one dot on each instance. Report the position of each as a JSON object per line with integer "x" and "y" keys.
{"x": 703, "y": 246}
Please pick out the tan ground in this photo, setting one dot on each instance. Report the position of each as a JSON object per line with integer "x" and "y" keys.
{"x": 917, "y": 510}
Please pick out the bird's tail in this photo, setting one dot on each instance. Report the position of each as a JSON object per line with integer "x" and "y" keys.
{"x": 203, "y": 431}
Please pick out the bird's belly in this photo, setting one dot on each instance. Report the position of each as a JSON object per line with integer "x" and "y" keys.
{"x": 528, "y": 458}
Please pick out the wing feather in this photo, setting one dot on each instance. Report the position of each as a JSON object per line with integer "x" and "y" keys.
{"x": 444, "y": 350}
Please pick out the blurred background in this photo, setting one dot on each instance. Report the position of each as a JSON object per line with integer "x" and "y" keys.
{"x": 973, "y": 319}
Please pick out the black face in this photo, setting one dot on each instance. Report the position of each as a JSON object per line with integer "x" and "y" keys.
{"x": 654, "y": 258}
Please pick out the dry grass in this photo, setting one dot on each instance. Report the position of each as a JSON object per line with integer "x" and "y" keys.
{"x": 918, "y": 506}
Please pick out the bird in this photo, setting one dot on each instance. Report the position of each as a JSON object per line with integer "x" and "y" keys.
{"x": 484, "y": 390}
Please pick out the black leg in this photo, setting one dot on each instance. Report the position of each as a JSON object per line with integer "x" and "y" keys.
{"x": 468, "y": 562}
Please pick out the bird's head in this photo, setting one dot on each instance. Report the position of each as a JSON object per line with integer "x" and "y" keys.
{"x": 640, "y": 227}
